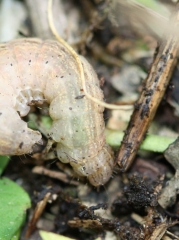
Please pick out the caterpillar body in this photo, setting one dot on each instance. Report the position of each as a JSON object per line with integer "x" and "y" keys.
{"x": 32, "y": 70}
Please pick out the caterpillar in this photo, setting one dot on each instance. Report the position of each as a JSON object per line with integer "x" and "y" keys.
{"x": 33, "y": 70}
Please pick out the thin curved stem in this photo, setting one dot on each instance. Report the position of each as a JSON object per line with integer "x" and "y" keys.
{"x": 80, "y": 67}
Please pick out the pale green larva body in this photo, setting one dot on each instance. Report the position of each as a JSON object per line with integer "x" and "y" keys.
{"x": 32, "y": 70}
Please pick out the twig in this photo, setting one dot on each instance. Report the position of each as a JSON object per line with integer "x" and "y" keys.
{"x": 37, "y": 213}
{"x": 172, "y": 235}
{"x": 151, "y": 96}
{"x": 53, "y": 174}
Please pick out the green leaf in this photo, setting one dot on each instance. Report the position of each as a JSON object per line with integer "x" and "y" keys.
{"x": 46, "y": 122}
{"x": 151, "y": 142}
{"x": 4, "y": 160}
{"x": 52, "y": 236}
{"x": 14, "y": 202}
{"x": 16, "y": 235}
{"x": 36, "y": 124}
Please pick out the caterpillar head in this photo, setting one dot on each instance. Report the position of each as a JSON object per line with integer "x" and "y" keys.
{"x": 98, "y": 169}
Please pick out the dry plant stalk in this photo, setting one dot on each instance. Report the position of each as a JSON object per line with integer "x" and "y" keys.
{"x": 54, "y": 174}
{"x": 37, "y": 213}
{"x": 153, "y": 91}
